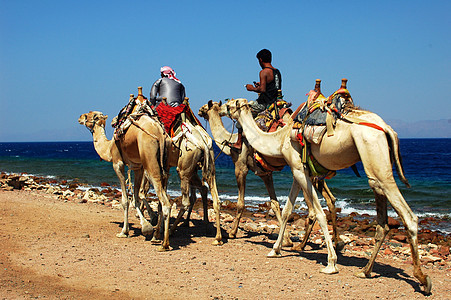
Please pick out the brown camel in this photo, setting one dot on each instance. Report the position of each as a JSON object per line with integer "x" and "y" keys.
{"x": 142, "y": 149}
{"x": 376, "y": 146}
{"x": 243, "y": 161}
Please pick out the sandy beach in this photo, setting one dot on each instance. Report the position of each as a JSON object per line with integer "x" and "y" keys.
{"x": 60, "y": 244}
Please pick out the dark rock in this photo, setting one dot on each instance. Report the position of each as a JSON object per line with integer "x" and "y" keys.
{"x": 393, "y": 223}
{"x": 400, "y": 237}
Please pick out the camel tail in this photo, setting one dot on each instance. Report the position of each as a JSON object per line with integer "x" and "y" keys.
{"x": 395, "y": 153}
{"x": 208, "y": 166}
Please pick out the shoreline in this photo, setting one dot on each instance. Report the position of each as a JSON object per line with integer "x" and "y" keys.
{"x": 56, "y": 244}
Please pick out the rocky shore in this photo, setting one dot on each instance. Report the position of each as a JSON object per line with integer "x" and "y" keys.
{"x": 356, "y": 231}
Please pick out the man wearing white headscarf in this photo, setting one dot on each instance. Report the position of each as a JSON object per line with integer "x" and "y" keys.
{"x": 167, "y": 86}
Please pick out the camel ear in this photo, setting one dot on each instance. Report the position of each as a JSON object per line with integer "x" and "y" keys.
{"x": 210, "y": 104}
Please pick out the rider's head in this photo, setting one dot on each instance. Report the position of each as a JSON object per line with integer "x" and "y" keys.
{"x": 166, "y": 71}
{"x": 264, "y": 55}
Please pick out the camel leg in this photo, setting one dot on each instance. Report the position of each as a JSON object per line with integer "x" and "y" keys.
{"x": 331, "y": 267}
{"x": 309, "y": 222}
{"x": 145, "y": 186}
{"x": 165, "y": 214}
{"x": 119, "y": 168}
{"x": 192, "y": 201}
{"x": 322, "y": 187}
{"x": 156, "y": 239}
{"x": 204, "y": 193}
{"x": 330, "y": 200}
{"x": 382, "y": 230}
{"x": 146, "y": 227}
{"x": 301, "y": 176}
{"x": 269, "y": 183}
{"x": 410, "y": 221}
{"x": 185, "y": 188}
{"x": 380, "y": 178}
{"x": 216, "y": 207}
{"x": 241, "y": 170}
{"x": 286, "y": 212}
{"x": 197, "y": 183}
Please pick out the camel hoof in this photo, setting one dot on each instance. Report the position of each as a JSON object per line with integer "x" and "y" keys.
{"x": 163, "y": 249}
{"x": 232, "y": 235}
{"x": 273, "y": 254}
{"x": 361, "y": 274}
{"x": 122, "y": 235}
{"x": 297, "y": 248}
{"x": 217, "y": 243}
{"x": 287, "y": 243}
{"x": 155, "y": 241}
{"x": 329, "y": 270}
{"x": 428, "y": 286}
{"x": 147, "y": 229}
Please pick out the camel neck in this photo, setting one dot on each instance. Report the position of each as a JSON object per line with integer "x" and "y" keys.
{"x": 101, "y": 144}
{"x": 263, "y": 142}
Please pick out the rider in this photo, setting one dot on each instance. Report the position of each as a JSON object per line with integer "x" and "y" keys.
{"x": 167, "y": 86}
{"x": 269, "y": 85}
{"x": 268, "y": 88}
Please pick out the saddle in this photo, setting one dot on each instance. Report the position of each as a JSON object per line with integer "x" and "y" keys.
{"x": 132, "y": 112}
{"x": 314, "y": 118}
{"x": 268, "y": 121}
{"x": 272, "y": 118}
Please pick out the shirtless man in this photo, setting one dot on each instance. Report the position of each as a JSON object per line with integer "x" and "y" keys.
{"x": 268, "y": 88}
{"x": 269, "y": 85}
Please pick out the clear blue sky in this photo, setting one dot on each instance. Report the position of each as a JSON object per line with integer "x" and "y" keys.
{"x": 59, "y": 59}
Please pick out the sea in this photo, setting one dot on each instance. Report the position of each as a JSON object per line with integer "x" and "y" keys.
{"x": 425, "y": 161}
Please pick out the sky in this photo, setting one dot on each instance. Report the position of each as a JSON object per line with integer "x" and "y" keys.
{"x": 60, "y": 59}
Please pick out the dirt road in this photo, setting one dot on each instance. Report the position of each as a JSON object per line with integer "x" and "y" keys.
{"x": 67, "y": 250}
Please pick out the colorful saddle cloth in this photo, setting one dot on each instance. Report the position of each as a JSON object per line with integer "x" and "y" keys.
{"x": 271, "y": 118}
{"x": 171, "y": 117}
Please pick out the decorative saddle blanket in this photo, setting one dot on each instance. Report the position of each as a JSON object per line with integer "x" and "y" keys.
{"x": 171, "y": 116}
{"x": 315, "y": 113}
{"x": 271, "y": 118}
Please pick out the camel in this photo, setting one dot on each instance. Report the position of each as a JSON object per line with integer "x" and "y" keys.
{"x": 243, "y": 161}
{"x": 371, "y": 141}
{"x": 142, "y": 149}
{"x": 193, "y": 149}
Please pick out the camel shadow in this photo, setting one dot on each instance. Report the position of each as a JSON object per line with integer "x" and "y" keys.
{"x": 183, "y": 235}
{"x": 379, "y": 269}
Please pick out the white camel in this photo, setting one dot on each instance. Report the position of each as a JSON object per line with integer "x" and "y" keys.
{"x": 243, "y": 161}
{"x": 377, "y": 147}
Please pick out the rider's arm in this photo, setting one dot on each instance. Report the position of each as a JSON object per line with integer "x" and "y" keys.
{"x": 154, "y": 92}
{"x": 259, "y": 87}
{"x": 182, "y": 93}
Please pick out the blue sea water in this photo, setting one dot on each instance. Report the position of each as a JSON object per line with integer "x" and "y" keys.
{"x": 425, "y": 164}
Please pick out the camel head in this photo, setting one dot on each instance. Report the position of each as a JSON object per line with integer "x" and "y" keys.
{"x": 234, "y": 107}
{"x": 92, "y": 118}
{"x": 216, "y": 106}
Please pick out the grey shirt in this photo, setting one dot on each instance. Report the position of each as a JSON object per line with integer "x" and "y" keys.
{"x": 164, "y": 87}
